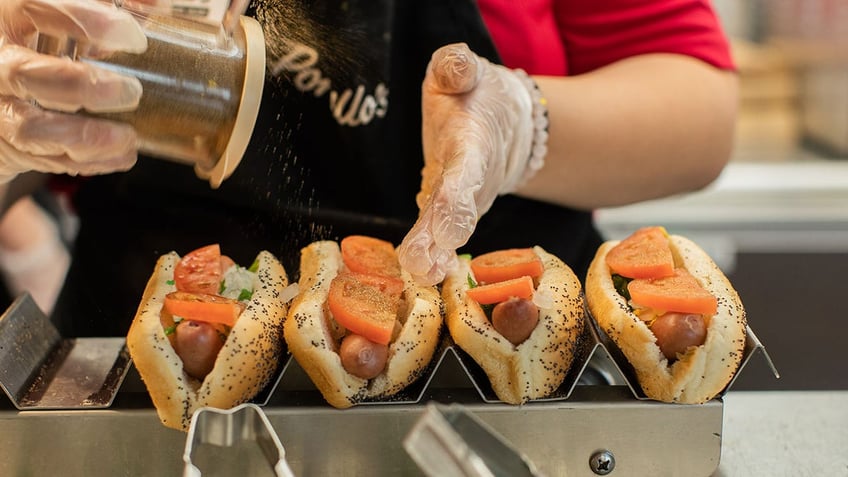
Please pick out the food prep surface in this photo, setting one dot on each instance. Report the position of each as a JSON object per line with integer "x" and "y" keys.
{"x": 785, "y": 433}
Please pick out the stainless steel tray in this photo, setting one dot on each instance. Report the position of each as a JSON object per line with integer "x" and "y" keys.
{"x": 597, "y": 418}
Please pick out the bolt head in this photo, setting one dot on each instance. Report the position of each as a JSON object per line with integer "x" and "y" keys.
{"x": 602, "y": 462}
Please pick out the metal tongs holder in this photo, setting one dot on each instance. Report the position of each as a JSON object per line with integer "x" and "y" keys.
{"x": 229, "y": 427}
{"x": 449, "y": 441}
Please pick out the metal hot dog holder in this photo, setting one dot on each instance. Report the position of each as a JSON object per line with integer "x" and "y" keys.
{"x": 78, "y": 407}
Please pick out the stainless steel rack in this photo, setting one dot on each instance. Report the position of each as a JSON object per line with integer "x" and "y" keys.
{"x": 598, "y": 412}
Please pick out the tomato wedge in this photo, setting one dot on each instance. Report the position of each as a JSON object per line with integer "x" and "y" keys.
{"x": 362, "y": 254}
{"x": 203, "y": 307}
{"x": 503, "y": 265}
{"x": 199, "y": 271}
{"x": 644, "y": 254}
{"x": 521, "y": 287}
{"x": 362, "y": 308}
{"x": 680, "y": 292}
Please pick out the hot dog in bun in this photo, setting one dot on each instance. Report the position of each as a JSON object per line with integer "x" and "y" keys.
{"x": 360, "y": 327}
{"x": 671, "y": 311}
{"x": 519, "y": 314}
{"x": 207, "y": 331}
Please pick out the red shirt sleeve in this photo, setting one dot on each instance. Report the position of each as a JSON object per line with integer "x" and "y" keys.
{"x": 557, "y": 37}
{"x": 526, "y": 34}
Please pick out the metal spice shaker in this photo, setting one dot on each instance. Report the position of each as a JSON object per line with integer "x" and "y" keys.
{"x": 201, "y": 90}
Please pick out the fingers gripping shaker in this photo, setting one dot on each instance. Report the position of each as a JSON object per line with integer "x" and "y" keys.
{"x": 201, "y": 89}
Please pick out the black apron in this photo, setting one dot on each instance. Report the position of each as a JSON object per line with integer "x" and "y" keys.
{"x": 336, "y": 151}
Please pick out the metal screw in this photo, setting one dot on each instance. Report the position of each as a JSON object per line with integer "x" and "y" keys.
{"x": 602, "y": 462}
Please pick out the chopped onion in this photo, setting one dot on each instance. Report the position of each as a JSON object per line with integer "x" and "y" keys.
{"x": 544, "y": 299}
{"x": 235, "y": 280}
{"x": 289, "y": 293}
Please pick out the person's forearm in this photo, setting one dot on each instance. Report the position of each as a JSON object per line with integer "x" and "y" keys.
{"x": 645, "y": 127}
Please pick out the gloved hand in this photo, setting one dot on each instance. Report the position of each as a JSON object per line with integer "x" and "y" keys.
{"x": 32, "y": 138}
{"x": 478, "y": 134}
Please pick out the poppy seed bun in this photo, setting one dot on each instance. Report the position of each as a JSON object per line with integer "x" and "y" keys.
{"x": 535, "y": 368}
{"x": 244, "y": 365}
{"x": 703, "y": 371}
{"x": 308, "y": 336}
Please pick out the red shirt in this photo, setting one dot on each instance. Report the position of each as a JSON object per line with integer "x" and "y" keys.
{"x": 568, "y": 37}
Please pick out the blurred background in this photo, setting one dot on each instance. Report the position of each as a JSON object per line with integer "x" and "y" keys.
{"x": 776, "y": 220}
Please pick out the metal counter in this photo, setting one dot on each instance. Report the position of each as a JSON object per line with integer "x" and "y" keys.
{"x": 785, "y": 433}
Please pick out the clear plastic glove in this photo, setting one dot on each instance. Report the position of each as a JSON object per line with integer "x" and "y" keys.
{"x": 478, "y": 132}
{"x": 235, "y": 9}
{"x": 32, "y": 138}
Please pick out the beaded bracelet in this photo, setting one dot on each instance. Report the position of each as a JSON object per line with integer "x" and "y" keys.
{"x": 539, "y": 146}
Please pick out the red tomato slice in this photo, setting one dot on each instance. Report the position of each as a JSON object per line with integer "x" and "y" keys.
{"x": 644, "y": 254}
{"x": 199, "y": 271}
{"x": 203, "y": 307}
{"x": 680, "y": 292}
{"x": 370, "y": 255}
{"x": 362, "y": 308}
{"x": 507, "y": 264}
{"x": 390, "y": 286}
{"x": 497, "y": 292}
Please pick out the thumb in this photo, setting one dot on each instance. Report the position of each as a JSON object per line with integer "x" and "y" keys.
{"x": 454, "y": 69}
